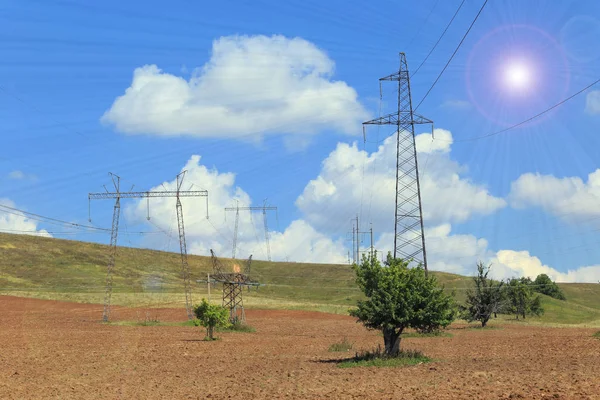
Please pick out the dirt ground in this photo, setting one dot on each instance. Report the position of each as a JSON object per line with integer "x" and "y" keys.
{"x": 56, "y": 350}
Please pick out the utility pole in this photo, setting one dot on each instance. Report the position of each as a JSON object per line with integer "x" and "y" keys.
{"x": 118, "y": 195}
{"x": 113, "y": 245}
{"x": 356, "y": 236}
{"x": 235, "y": 230}
{"x": 354, "y": 261}
{"x": 371, "y": 240}
{"x": 208, "y": 284}
{"x": 357, "y": 241}
{"x": 264, "y": 209}
{"x": 267, "y": 229}
{"x": 409, "y": 237}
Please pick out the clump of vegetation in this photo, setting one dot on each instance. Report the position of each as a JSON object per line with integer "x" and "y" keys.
{"x": 237, "y": 326}
{"x": 544, "y": 285}
{"x": 521, "y": 299}
{"x": 485, "y": 299}
{"x": 211, "y": 316}
{"x": 380, "y": 358}
{"x": 596, "y": 335}
{"x": 344, "y": 345}
{"x": 148, "y": 320}
{"x": 399, "y": 297}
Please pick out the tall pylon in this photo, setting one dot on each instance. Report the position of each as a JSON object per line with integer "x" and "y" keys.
{"x": 409, "y": 237}
{"x": 118, "y": 195}
{"x": 264, "y": 209}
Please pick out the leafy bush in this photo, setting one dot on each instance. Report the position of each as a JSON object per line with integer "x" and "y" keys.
{"x": 344, "y": 345}
{"x": 238, "y": 326}
{"x": 399, "y": 297}
{"x": 211, "y": 316}
{"x": 544, "y": 285}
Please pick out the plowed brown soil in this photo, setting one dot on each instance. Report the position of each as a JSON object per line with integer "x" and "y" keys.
{"x": 57, "y": 350}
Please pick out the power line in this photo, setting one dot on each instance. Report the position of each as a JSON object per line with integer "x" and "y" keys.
{"x": 41, "y": 232}
{"x": 423, "y": 24}
{"x": 42, "y": 218}
{"x": 531, "y": 118}
{"x": 440, "y": 38}
{"x": 453, "y": 54}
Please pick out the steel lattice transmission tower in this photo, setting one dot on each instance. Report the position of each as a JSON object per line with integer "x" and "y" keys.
{"x": 264, "y": 210}
{"x": 118, "y": 195}
{"x": 409, "y": 237}
{"x": 233, "y": 284}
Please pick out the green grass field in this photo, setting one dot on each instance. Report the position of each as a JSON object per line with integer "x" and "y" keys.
{"x": 33, "y": 266}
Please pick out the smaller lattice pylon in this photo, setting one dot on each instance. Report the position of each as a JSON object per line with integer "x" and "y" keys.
{"x": 233, "y": 284}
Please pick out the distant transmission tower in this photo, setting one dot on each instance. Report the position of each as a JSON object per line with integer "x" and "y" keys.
{"x": 264, "y": 209}
{"x": 409, "y": 237}
{"x": 233, "y": 284}
{"x": 118, "y": 195}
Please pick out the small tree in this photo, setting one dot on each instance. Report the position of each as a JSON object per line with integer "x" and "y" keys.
{"x": 211, "y": 316}
{"x": 543, "y": 284}
{"x": 484, "y": 299}
{"x": 521, "y": 298}
{"x": 399, "y": 297}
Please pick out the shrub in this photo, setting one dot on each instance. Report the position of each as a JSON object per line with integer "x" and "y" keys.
{"x": 238, "y": 326}
{"x": 211, "y": 316}
{"x": 344, "y": 345}
{"x": 543, "y": 284}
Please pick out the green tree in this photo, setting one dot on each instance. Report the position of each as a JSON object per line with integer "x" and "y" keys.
{"x": 399, "y": 297}
{"x": 522, "y": 299}
{"x": 543, "y": 284}
{"x": 483, "y": 300}
{"x": 211, "y": 316}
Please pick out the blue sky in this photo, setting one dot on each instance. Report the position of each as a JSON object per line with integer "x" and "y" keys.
{"x": 66, "y": 62}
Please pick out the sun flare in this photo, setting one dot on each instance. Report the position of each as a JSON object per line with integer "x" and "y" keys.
{"x": 517, "y": 75}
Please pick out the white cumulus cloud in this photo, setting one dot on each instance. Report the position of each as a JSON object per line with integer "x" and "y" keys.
{"x": 12, "y": 221}
{"x": 459, "y": 254}
{"x": 298, "y": 242}
{"x": 252, "y": 85}
{"x": 511, "y": 264}
{"x": 569, "y": 198}
{"x": 446, "y": 252}
{"x": 592, "y": 102}
{"x": 350, "y": 176}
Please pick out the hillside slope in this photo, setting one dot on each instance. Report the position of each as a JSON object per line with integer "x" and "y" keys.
{"x": 72, "y": 270}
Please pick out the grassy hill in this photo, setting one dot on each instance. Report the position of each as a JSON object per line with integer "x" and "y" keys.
{"x": 70, "y": 270}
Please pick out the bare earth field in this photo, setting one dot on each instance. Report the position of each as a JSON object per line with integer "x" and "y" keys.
{"x": 59, "y": 350}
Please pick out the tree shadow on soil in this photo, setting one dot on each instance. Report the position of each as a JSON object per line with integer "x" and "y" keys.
{"x": 377, "y": 358}
{"x": 475, "y": 327}
{"x": 333, "y": 360}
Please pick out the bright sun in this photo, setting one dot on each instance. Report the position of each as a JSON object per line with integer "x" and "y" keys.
{"x": 517, "y": 75}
